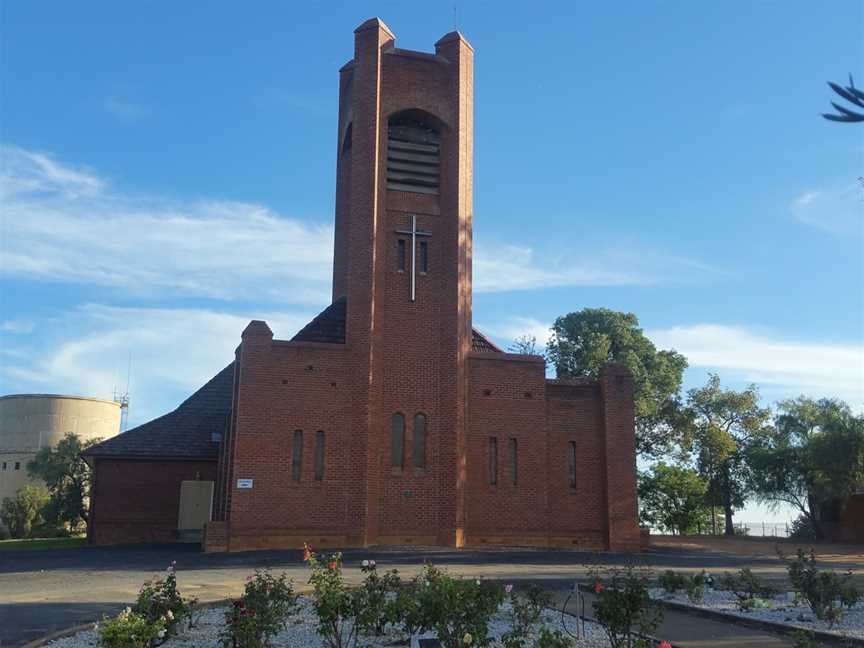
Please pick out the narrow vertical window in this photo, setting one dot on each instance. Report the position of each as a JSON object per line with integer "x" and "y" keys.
{"x": 419, "y": 441}
{"x": 493, "y": 461}
{"x": 297, "y": 455}
{"x": 17, "y": 465}
{"x": 424, "y": 257}
{"x": 514, "y": 466}
{"x": 400, "y": 258}
{"x": 397, "y": 440}
{"x": 319, "y": 456}
{"x": 571, "y": 463}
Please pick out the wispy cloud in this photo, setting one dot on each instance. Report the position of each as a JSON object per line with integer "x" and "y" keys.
{"x": 16, "y": 326}
{"x": 124, "y": 108}
{"x": 38, "y": 174}
{"x": 839, "y": 209}
{"x": 774, "y": 363}
{"x": 174, "y": 351}
{"x": 505, "y": 267}
{"x": 67, "y": 225}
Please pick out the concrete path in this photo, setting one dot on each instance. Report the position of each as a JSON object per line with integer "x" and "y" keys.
{"x": 688, "y": 631}
{"x": 45, "y": 591}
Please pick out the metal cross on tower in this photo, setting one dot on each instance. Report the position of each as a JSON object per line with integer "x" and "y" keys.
{"x": 414, "y": 232}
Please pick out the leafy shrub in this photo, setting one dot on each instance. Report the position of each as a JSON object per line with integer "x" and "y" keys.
{"x": 527, "y": 608}
{"x": 24, "y": 513}
{"x": 821, "y": 589}
{"x": 804, "y": 639}
{"x": 549, "y": 639}
{"x": 748, "y": 588}
{"x": 4, "y": 531}
{"x": 457, "y": 609}
{"x": 671, "y": 581}
{"x": 161, "y": 600}
{"x": 375, "y": 601}
{"x": 263, "y": 610}
{"x": 131, "y": 630}
{"x": 332, "y": 602}
{"x": 623, "y": 604}
{"x": 695, "y": 587}
{"x": 802, "y": 528}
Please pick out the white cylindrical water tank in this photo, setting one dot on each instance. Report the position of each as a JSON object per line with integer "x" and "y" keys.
{"x": 29, "y": 422}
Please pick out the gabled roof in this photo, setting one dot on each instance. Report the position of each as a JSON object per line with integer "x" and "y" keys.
{"x": 481, "y": 344}
{"x": 185, "y": 433}
{"x": 327, "y": 327}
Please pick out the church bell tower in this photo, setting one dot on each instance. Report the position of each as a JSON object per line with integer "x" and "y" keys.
{"x": 402, "y": 262}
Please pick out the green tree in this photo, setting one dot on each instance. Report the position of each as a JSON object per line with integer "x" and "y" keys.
{"x": 811, "y": 459}
{"x": 724, "y": 423}
{"x": 24, "y": 512}
{"x": 584, "y": 342}
{"x": 673, "y": 498}
{"x": 67, "y": 476}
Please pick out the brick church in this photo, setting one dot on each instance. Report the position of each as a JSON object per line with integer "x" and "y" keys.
{"x": 388, "y": 419}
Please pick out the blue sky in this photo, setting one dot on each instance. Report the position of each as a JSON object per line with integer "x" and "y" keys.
{"x": 168, "y": 174}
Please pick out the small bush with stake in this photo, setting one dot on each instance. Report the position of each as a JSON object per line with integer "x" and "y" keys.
{"x": 623, "y": 604}
{"x": 821, "y": 589}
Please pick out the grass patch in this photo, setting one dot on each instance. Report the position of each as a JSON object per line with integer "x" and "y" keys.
{"x": 43, "y": 543}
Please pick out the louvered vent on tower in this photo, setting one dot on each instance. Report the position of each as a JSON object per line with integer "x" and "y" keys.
{"x": 412, "y": 157}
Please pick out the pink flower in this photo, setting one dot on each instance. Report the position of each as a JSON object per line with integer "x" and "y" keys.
{"x": 508, "y": 588}
{"x": 664, "y": 644}
{"x": 598, "y": 587}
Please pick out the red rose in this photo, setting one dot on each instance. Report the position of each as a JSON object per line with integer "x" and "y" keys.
{"x": 598, "y": 587}
{"x": 332, "y": 565}
{"x": 307, "y": 554}
{"x": 664, "y": 644}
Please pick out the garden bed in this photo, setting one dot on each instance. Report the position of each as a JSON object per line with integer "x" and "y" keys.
{"x": 302, "y": 630}
{"x": 781, "y": 609}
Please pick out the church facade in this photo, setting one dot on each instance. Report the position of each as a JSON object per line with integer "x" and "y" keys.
{"x": 388, "y": 419}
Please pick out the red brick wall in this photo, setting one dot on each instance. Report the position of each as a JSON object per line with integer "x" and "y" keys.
{"x": 139, "y": 500}
{"x": 408, "y": 357}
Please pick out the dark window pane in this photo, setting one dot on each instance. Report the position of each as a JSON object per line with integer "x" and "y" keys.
{"x": 419, "y": 441}
{"x": 571, "y": 460}
{"x": 319, "y": 456}
{"x": 424, "y": 256}
{"x": 400, "y": 263}
{"x": 397, "y": 440}
{"x": 297, "y": 455}
{"x": 514, "y": 467}
{"x": 493, "y": 461}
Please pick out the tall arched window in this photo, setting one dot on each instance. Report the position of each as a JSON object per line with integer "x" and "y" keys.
{"x": 419, "y": 441}
{"x": 397, "y": 441}
{"x": 413, "y": 147}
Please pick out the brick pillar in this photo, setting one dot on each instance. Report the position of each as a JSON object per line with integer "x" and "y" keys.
{"x": 457, "y": 201}
{"x": 622, "y": 524}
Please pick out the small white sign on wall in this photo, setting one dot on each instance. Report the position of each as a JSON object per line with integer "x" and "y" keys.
{"x": 244, "y": 483}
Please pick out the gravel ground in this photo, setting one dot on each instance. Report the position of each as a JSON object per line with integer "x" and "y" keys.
{"x": 302, "y": 632}
{"x": 782, "y": 610}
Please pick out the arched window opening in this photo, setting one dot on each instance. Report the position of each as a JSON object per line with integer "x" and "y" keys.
{"x": 397, "y": 441}
{"x": 413, "y": 154}
{"x": 419, "y": 441}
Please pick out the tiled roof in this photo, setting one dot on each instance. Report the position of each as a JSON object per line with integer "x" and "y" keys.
{"x": 328, "y": 326}
{"x": 185, "y": 433}
{"x": 481, "y": 344}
